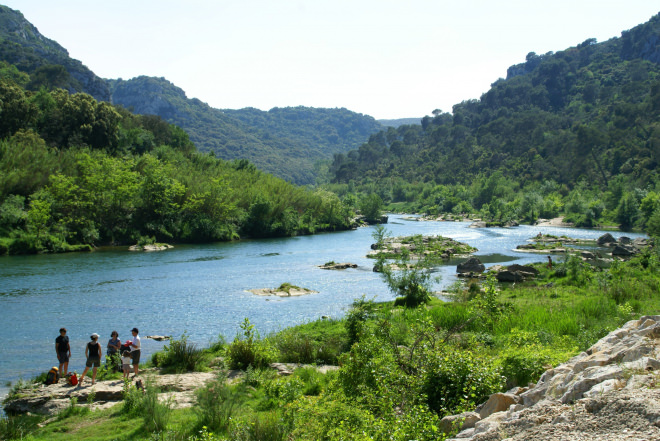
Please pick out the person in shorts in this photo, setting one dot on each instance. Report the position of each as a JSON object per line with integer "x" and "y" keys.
{"x": 135, "y": 350}
{"x": 93, "y": 353}
{"x": 63, "y": 351}
{"x": 126, "y": 363}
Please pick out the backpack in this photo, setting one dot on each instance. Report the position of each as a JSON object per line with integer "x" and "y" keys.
{"x": 72, "y": 379}
{"x": 52, "y": 377}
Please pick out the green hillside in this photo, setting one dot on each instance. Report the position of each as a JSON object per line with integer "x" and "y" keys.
{"x": 76, "y": 172}
{"x": 47, "y": 63}
{"x": 287, "y": 142}
{"x": 574, "y": 133}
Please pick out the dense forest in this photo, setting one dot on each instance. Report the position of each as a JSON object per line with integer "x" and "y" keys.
{"x": 573, "y": 133}
{"x": 287, "y": 142}
{"x": 75, "y": 172}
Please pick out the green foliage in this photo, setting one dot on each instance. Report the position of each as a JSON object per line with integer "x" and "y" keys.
{"x": 179, "y": 356}
{"x": 266, "y": 426}
{"x": 287, "y": 142}
{"x": 216, "y": 404}
{"x": 371, "y": 207}
{"x": 248, "y": 350}
{"x": 486, "y": 305}
{"x": 88, "y": 182}
{"x": 459, "y": 380}
{"x": 17, "y": 427}
{"x": 572, "y": 133}
{"x": 360, "y": 311}
{"x": 409, "y": 276}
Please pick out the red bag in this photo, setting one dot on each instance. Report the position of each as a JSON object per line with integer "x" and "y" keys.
{"x": 73, "y": 379}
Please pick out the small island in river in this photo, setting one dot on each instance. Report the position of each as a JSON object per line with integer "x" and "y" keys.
{"x": 284, "y": 290}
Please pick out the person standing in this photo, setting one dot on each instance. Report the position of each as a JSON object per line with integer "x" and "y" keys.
{"x": 93, "y": 353}
{"x": 63, "y": 351}
{"x": 114, "y": 344}
{"x": 135, "y": 350}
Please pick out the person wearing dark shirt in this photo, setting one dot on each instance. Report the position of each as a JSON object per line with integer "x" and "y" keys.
{"x": 63, "y": 351}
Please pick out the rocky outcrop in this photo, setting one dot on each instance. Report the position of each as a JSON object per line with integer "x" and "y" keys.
{"x": 293, "y": 291}
{"x": 472, "y": 265}
{"x": 52, "y": 399}
{"x": 31, "y": 50}
{"x": 337, "y": 266}
{"x": 151, "y": 247}
{"x": 607, "y": 393}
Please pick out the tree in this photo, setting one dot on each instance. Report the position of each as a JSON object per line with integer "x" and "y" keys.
{"x": 371, "y": 207}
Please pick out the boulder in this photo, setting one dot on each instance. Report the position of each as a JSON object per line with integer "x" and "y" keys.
{"x": 510, "y": 276}
{"x": 606, "y": 240}
{"x": 472, "y": 265}
{"x": 526, "y": 270}
{"x": 462, "y": 421}
{"x": 623, "y": 250}
{"x": 478, "y": 224}
{"x": 498, "y": 402}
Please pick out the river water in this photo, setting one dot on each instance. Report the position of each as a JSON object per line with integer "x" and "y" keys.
{"x": 202, "y": 289}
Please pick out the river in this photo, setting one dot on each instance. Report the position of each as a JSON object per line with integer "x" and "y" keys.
{"x": 202, "y": 289}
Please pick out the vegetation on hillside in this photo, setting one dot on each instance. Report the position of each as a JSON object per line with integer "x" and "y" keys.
{"x": 573, "y": 133}
{"x": 287, "y": 142}
{"x": 75, "y": 172}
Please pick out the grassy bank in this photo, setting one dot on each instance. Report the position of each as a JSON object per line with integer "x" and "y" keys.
{"x": 400, "y": 370}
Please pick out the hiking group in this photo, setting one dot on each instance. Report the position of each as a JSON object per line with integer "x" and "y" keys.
{"x": 128, "y": 351}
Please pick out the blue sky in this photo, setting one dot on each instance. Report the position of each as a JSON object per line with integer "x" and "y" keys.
{"x": 384, "y": 58}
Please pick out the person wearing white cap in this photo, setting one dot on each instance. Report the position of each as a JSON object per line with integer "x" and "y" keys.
{"x": 93, "y": 354}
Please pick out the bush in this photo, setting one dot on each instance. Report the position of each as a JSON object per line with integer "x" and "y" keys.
{"x": 458, "y": 381}
{"x": 248, "y": 350}
{"x": 216, "y": 404}
{"x": 361, "y": 310}
{"x": 180, "y": 356}
{"x": 155, "y": 413}
{"x": 525, "y": 364}
{"x": 265, "y": 426}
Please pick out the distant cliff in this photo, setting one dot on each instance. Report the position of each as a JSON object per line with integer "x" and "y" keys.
{"x": 21, "y": 44}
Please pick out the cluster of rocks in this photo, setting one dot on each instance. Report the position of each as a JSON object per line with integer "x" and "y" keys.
{"x": 609, "y": 392}
{"x": 151, "y": 247}
{"x": 473, "y": 268}
{"x": 623, "y": 246}
{"x": 477, "y": 223}
{"x": 337, "y": 266}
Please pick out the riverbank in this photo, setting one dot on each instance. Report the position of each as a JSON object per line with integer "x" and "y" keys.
{"x": 390, "y": 356}
{"x": 201, "y": 288}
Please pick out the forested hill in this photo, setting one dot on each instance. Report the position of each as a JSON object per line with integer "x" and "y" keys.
{"x": 287, "y": 142}
{"x": 584, "y": 120}
{"x": 47, "y": 63}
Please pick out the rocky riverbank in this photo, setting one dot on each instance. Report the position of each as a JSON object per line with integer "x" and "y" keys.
{"x": 609, "y": 392}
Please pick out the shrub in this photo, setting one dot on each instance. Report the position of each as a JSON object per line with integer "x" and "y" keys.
{"x": 524, "y": 364}
{"x": 295, "y": 348}
{"x": 216, "y": 404}
{"x": 155, "y": 413}
{"x": 180, "y": 356}
{"x": 459, "y": 381}
{"x": 361, "y": 310}
{"x": 248, "y": 350}
{"x": 265, "y": 426}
